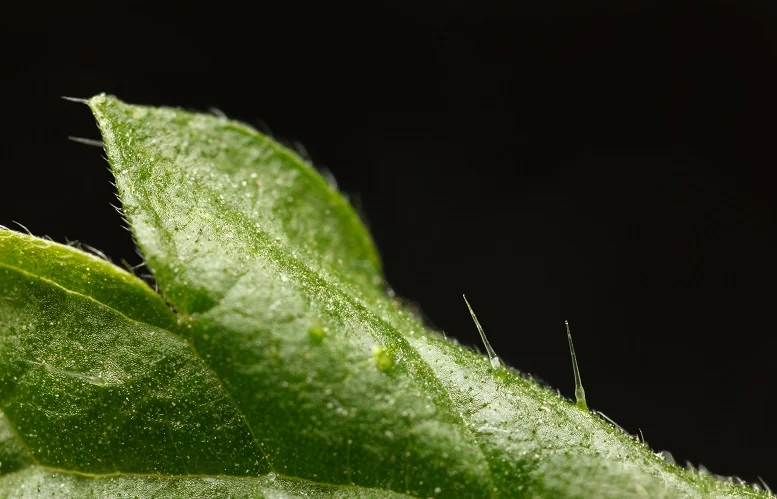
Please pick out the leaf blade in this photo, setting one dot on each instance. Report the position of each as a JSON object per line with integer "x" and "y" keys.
{"x": 243, "y": 315}
{"x": 252, "y": 295}
{"x": 327, "y": 227}
{"x": 91, "y": 389}
{"x": 31, "y": 278}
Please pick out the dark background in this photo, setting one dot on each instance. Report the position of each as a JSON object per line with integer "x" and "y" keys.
{"x": 610, "y": 164}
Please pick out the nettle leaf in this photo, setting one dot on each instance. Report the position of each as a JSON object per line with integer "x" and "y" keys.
{"x": 285, "y": 369}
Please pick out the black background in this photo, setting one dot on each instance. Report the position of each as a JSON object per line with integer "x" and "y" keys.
{"x": 610, "y": 164}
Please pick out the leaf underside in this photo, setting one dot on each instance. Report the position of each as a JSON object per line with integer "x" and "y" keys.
{"x": 275, "y": 363}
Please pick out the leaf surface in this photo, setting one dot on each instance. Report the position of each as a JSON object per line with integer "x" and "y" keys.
{"x": 286, "y": 348}
{"x": 101, "y": 397}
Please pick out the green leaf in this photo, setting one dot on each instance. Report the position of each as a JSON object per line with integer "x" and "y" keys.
{"x": 100, "y": 396}
{"x": 286, "y": 356}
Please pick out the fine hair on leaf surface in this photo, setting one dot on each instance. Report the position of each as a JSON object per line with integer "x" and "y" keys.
{"x": 272, "y": 362}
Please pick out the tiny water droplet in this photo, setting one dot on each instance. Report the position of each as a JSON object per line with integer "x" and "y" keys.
{"x": 271, "y": 476}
